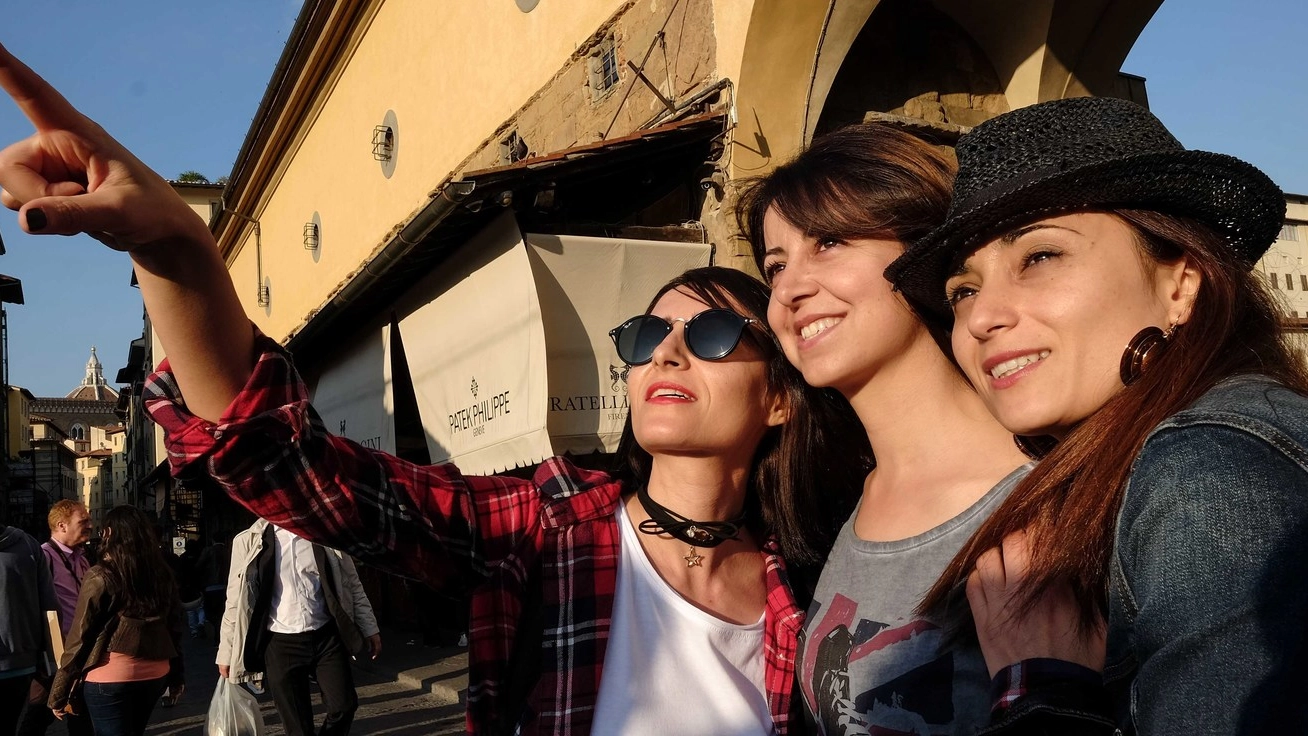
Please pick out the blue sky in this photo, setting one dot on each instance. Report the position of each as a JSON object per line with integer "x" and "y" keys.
{"x": 178, "y": 82}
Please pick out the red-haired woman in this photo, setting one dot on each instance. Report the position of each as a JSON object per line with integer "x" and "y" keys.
{"x": 1099, "y": 281}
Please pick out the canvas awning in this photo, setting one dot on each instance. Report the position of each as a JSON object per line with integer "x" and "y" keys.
{"x": 507, "y": 343}
{"x": 353, "y": 393}
{"x": 587, "y": 286}
{"x": 476, "y": 351}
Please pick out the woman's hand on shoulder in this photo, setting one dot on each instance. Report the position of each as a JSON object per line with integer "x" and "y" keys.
{"x": 70, "y": 176}
{"x": 1051, "y": 629}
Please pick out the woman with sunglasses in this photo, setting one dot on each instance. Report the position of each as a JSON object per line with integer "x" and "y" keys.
{"x": 653, "y": 604}
{"x": 1098, "y": 278}
{"x": 823, "y": 228}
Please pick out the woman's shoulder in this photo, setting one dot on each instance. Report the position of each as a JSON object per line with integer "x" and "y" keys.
{"x": 1255, "y": 405}
{"x": 1247, "y": 432}
{"x": 95, "y": 581}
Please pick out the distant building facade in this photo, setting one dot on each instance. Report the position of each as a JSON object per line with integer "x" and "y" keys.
{"x": 1285, "y": 266}
{"x": 72, "y": 446}
{"x": 90, "y": 404}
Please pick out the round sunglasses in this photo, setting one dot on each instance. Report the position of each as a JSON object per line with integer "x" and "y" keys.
{"x": 710, "y": 335}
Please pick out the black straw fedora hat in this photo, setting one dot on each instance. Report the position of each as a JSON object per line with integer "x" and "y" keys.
{"x": 1078, "y": 154}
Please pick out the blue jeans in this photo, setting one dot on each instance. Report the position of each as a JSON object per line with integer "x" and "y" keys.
{"x": 122, "y": 708}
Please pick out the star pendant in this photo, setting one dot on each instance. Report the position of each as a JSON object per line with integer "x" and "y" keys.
{"x": 692, "y": 559}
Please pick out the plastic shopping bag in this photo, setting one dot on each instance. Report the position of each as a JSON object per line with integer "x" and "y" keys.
{"x": 233, "y": 712}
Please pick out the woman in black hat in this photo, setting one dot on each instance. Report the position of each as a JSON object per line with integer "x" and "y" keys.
{"x": 1098, "y": 278}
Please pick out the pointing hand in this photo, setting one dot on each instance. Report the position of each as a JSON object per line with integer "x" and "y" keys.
{"x": 70, "y": 176}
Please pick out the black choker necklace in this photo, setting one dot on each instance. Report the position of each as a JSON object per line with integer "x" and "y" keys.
{"x": 663, "y": 520}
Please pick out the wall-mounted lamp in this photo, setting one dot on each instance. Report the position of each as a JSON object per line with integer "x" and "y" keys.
{"x": 383, "y": 142}
{"x": 311, "y": 236}
{"x": 265, "y": 294}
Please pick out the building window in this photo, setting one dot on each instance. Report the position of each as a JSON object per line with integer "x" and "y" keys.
{"x": 1290, "y": 231}
{"x": 77, "y": 432}
{"x": 603, "y": 68}
{"x": 513, "y": 148}
{"x": 1289, "y": 282}
{"x": 1303, "y": 282}
{"x": 1271, "y": 278}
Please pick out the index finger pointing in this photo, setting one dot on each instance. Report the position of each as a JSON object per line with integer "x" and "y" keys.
{"x": 41, "y": 103}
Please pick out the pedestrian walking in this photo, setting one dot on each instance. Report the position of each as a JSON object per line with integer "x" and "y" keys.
{"x": 296, "y": 611}
{"x": 65, "y": 556}
{"x": 25, "y": 596}
{"x": 213, "y": 568}
{"x": 124, "y": 646}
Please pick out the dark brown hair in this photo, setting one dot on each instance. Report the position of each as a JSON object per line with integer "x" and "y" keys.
{"x": 1069, "y": 502}
{"x": 869, "y": 180}
{"x": 138, "y": 578}
{"x": 807, "y": 473}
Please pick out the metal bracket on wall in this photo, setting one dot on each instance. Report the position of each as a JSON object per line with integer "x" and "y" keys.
{"x": 264, "y": 293}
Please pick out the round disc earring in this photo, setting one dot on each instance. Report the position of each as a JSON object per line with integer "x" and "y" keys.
{"x": 1140, "y": 352}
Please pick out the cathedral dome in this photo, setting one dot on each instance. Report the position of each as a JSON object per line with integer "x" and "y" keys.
{"x": 93, "y": 386}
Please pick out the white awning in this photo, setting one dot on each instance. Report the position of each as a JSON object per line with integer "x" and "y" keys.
{"x": 476, "y": 351}
{"x": 588, "y": 286}
{"x": 507, "y": 342}
{"x": 353, "y": 394}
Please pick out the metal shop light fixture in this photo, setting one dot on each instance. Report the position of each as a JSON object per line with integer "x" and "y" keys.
{"x": 383, "y": 142}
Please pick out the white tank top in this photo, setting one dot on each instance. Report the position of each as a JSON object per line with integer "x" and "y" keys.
{"x": 672, "y": 668}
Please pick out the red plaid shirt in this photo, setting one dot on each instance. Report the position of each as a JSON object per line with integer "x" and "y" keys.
{"x": 544, "y": 550}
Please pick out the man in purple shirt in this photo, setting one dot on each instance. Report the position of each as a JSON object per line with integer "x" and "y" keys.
{"x": 70, "y": 529}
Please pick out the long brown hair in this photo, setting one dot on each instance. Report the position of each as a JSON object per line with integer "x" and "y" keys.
{"x": 139, "y": 580}
{"x": 808, "y": 472}
{"x": 1069, "y": 502}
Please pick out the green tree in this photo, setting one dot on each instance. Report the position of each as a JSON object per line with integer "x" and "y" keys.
{"x": 192, "y": 177}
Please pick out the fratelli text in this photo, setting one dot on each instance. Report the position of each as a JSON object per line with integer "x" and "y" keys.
{"x": 588, "y": 403}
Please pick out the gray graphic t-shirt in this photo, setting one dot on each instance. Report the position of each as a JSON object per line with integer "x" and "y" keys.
{"x": 867, "y": 664}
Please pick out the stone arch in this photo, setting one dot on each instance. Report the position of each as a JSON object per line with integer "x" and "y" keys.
{"x": 912, "y": 60}
{"x": 1022, "y": 51}
{"x": 791, "y": 54}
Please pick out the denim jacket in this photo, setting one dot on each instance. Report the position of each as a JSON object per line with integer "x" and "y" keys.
{"x": 1208, "y": 597}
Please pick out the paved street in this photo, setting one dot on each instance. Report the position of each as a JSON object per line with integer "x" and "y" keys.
{"x": 385, "y": 707}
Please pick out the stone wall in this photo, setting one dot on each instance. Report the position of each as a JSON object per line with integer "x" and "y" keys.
{"x": 64, "y": 413}
{"x": 913, "y": 60}
{"x": 673, "y": 41}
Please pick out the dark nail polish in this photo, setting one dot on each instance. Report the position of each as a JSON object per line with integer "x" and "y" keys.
{"x": 35, "y": 220}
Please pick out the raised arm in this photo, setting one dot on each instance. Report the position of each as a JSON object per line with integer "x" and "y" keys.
{"x": 71, "y": 177}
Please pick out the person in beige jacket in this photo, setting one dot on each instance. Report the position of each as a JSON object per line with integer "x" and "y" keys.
{"x": 296, "y": 609}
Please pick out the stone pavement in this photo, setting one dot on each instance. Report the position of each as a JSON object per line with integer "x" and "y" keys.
{"x": 410, "y": 690}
